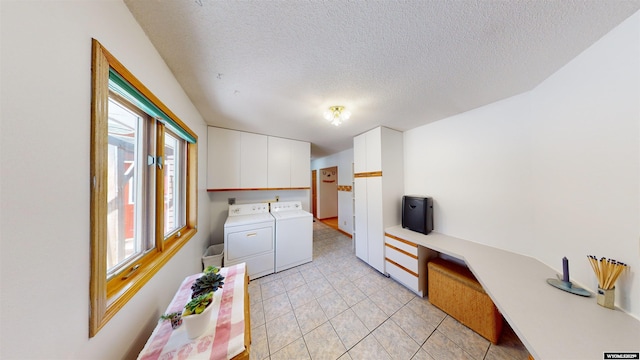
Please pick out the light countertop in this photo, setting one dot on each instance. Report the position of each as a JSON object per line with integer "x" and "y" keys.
{"x": 552, "y": 324}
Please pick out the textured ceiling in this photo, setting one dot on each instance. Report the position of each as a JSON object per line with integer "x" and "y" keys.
{"x": 274, "y": 67}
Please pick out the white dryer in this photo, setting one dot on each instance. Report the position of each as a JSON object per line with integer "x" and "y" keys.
{"x": 249, "y": 237}
{"x": 294, "y": 234}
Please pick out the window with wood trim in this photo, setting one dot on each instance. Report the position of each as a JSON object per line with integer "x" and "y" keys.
{"x": 143, "y": 186}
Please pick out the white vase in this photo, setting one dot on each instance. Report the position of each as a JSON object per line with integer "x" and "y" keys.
{"x": 196, "y": 324}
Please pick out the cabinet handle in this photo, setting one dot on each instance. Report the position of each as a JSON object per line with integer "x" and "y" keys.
{"x": 252, "y": 234}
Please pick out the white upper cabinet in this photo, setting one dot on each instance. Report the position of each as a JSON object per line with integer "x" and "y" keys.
{"x": 300, "y": 164}
{"x": 360, "y": 153}
{"x": 367, "y": 151}
{"x": 279, "y": 162}
{"x": 374, "y": 150}
{"x": 289, "y": 163}
{"x": 242, "y": 160}
{"x": 223, "y": 158}
{"x": 253, "y": 161}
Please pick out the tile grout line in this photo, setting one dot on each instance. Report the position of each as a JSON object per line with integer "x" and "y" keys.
{"x": 324, "y": 243}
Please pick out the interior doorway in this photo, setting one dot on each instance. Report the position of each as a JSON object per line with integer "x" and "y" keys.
{"x": 327, "y": 193}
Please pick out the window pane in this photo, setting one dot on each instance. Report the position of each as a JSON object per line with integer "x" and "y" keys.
{"x": 174, "y": 183}
{"x": 124, "y": 186}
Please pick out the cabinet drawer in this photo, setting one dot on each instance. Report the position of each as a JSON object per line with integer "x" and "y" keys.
{"x": 401, "y": 244}
{"x": 402, "y": 276}
{"x": 408, "y": 261}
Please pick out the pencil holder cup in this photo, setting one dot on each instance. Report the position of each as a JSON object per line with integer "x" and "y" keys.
{"x": 606, "y": 297}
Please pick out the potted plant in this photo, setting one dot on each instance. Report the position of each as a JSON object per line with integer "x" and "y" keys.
{"x": 210, "y": 281}
{"x": 174, "y": 317}
{"x": 196, "y": 313}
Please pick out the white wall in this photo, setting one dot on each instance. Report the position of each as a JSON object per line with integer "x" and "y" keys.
{"x": 45, "y": 144}
{"x": 550, "y": 173}
{"x": 477, "y": 168}
{"x": 586, "y": 160}
{"x": 343, "y": 160}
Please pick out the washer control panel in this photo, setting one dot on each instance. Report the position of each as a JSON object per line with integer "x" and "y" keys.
{"x": 286, "y": 206}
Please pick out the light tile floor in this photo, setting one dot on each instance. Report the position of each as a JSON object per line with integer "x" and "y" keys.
{"x": 338, "y": 307}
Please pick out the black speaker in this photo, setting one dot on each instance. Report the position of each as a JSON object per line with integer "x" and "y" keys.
{"x": 417, "y": 213}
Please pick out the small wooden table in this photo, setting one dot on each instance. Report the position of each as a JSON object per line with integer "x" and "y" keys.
{"x": 228, "y": 335}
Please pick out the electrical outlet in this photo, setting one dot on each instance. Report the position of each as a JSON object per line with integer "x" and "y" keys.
{"x": 232, "y": 201}
{"x": 277, "y": 198}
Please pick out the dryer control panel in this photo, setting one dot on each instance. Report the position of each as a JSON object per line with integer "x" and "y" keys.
{"x": 248, "y": 209}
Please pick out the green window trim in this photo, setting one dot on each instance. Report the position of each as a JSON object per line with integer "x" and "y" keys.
{"x": 129, "y": 92}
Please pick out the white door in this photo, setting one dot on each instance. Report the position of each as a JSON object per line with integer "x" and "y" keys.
{"x": 375, "y": 226}
{"x": 360, "y": 195}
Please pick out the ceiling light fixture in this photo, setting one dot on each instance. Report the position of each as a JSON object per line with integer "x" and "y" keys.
{"x": 337, "y": 114}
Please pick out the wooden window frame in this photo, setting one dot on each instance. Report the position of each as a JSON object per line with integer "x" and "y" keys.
{"x": 107, "y": 297}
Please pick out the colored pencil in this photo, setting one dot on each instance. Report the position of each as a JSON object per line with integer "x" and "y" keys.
{"x": 607, "y": 271}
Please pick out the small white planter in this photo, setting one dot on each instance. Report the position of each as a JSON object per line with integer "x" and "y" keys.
{"x": 196, "y": 324}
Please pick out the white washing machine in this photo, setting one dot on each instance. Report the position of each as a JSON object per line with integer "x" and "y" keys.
{"x": 294, "y": 234}
{"x": 249, "y": 237}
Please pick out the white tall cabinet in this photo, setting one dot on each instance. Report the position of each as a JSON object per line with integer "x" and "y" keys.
{"x": 378, "y": 189}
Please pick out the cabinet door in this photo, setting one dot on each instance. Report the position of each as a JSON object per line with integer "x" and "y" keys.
{"x": 300, "y": 164}
{"x": 375, "y": 227}
{"x": 279, "y": 164}
{"x": 360, "y": 153}
{"x": 253, "y": 161}
{"x": 223, "y": 158}
{"x": 360, "y": 198}
{"x": 374, "y": 150}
